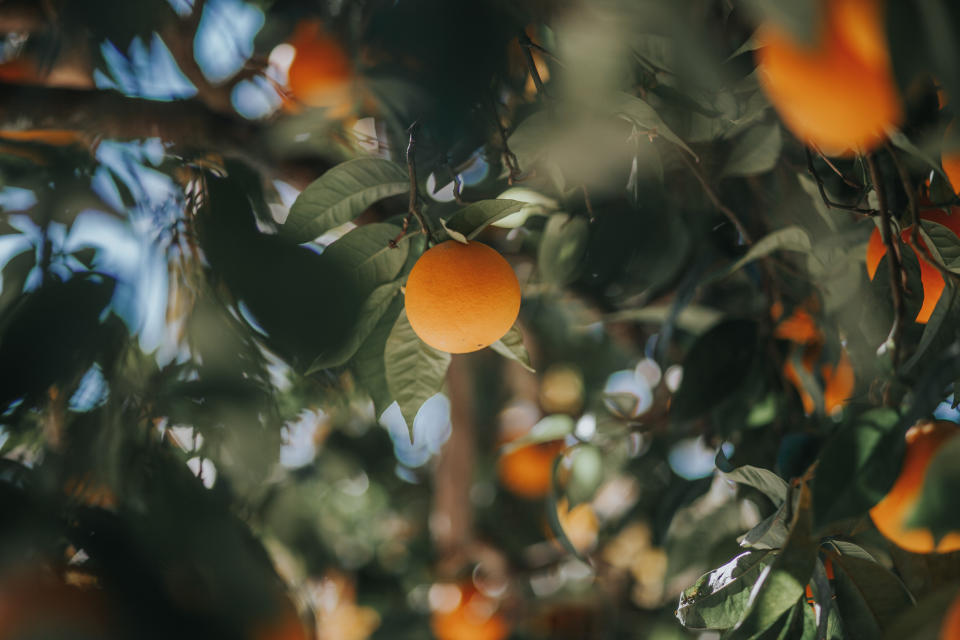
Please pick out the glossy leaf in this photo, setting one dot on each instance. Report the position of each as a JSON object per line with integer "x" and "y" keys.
{"x": 857, "y": 466}
{"x": 719, "y": 599}
{"x": 415, "y": 371}
{"x": 476, "y": 216}
{"x": 341, "y": 194}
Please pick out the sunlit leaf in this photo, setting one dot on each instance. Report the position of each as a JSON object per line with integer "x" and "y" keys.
{"x": 415, "y": 371}
{"x": 341, "y": 194}
{"x": 719, "y": 599}
{"x": 476, "y": 216}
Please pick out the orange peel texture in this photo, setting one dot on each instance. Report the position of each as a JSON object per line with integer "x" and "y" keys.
{"x": 462, "y": 297}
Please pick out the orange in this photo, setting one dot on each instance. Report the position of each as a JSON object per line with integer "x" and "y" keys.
{"x": 950, "y": 160}
{"x": 799, "y": 327}
{"x": 32, "y": 606}
{"x": 473, "y": 617}
{"x": 930, "y": 278}
{"x": 528, "y": 471}
{"x": 320, "y": 73}
{"x": 838, "y": 93}
{"x": 838, "y": 381}
{"x": 890, "y": 514}
{"x": 462, "y": 297}
{"x": 950, "y": 628}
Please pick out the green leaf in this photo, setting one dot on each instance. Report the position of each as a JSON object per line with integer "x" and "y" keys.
{"x": 763, "y": 480}
{"x": 940, "y": 329}
{"x": 945, "y": 241}
{"x": 923, "y": 621}
{"x": 475, "y": 217}
{"x": 367, "y": 252}
{"x": 643, "y": 116}
{"x": 367, "y": 364}
{"x": 799, "y": 18}
{"x": 548, "y": 429}
{"x": 755, "y": 151}
{"x": 373, "y": 309}
{"x": 415, "y": 371}
{"x": 715, "y": 367}
{"x": 869, "y": 596}
{"x": 562, "y": 248}
{"x": 783, "y": 582}
{"x": 857, "y": 466}
{"x": 341, "y": 194}
{"x": 900, "y": 140}
{"x": 511, "y": 347}
{"x": 719, "y": 599}
{"x": 770, "y": 533}
{"x": 553, "y": 517}
{"x": 786, "y": 239}
{"x": 530, "y": 140}
{"x": 453, "y": 233}
{"x": 936, "y": 509}
{"x": 586, "y": 473}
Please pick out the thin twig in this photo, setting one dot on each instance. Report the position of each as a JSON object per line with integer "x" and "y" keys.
{"x": 823, "y": 191}
{"x": 509, "y": 157}
{"x": 414, "y": 206}
{"x": 726, "y": 211}
{"x": 914, "y": 238}
{"x": 840, "y": 174}
{"x": 893, "y": 262}
{"x": 456, "y": 185}
{"x": 525, "y": 44}
{"x": 530, "y": 44}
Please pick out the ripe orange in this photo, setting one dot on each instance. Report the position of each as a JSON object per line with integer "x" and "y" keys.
{"x": 33, "y": 607}
{"x": 889, "y": 515}
{"x": 837, "y": 94}
{"x": 838, "y": 381}
{"x": 320, "y": 73}
{"x": 950, "y": 627}
{"x": 462, "y": 297}
{"x": 950, "y": 160}
{"x": 930, "y": 278}
{"x": 527, "y": 471}
{"x": 799, "y": 327}
{"x": 474, "y": 616}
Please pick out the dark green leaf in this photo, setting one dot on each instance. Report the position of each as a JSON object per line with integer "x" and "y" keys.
{"x": 367, "y": 254}
{"x": 770, "y": 533}
{"x": 644, "y": 117}
{"x": 763, "y": 480}
{"x": 755, "y": 151}
{"x": 415, "y": 371}
{"x": 869, "y": 596}
{"x": 341, "y": 194}
{"x": 940, "y": 329}
{"x": 719, "y": 599}
{"x": 783, "y": 582}
{"x": 857, "y": 466}
{"x": 786, "y": 239}
{"x": 562, "y": 248}
{"x": 715, "y": 367}
{"x": 946, "y": 243}
{"x": 475, "y": 217}
{"x": 373, "y": 309}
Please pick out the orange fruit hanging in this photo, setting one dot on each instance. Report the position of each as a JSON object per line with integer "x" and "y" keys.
{"x": 890, "y": 514}
{"x": 320, "y": 73}
{"x": 950, "y": 627}
{"x": 836, "y": 93}
{"x": 472, "y": 616}
{"x": 930, "y": 278}
{"x": 462, "y": 297}
{"x": 528, "y": 471}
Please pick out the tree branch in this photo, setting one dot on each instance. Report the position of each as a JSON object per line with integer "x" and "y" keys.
{"x": 893, "y": 261}
{"x": 823, "y": 191}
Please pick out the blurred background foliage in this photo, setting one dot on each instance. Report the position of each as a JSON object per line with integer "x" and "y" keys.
{"x": 216, "y": 423}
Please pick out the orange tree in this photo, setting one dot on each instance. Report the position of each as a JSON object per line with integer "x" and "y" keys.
{"x": 374, "y": 319}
